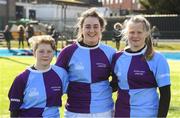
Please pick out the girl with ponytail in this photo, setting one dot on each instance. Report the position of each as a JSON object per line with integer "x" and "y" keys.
{"x": 139, "y": 71}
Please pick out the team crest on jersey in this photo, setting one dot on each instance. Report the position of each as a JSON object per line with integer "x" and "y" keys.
{"x": 79, "y": 66}
{"x": 101, "y": 65}
{"x": 33, "y": 92}
{"x": 119, "y": 73}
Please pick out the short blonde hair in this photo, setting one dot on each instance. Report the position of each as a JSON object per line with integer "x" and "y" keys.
{"x": 46, "y": 39}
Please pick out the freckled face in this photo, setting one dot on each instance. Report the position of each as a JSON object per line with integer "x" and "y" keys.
{"x": 91, "y": 30}
{"x": 136, "y": 36}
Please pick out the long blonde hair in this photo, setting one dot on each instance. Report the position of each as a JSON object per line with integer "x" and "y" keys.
{"x": 147, "y": 27}
{"x": 92, "y": 12}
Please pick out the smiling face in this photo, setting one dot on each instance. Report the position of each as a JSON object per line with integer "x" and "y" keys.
{"x": 91, "y": 31}
{"x": 44, "y": 55}
{"x": 136, "y": 35}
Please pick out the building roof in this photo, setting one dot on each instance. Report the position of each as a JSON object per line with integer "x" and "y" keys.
{"x": 71, "y": 1}
{"x": 78, "y": 2}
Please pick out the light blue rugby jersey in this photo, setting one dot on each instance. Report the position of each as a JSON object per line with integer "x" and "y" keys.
{"x": 88, "y": 70}
{"x": 138, "y": 80}
{"x": 37, "y": 93}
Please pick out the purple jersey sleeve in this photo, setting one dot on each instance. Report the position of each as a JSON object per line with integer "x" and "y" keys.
{"x": 16, "y": 91}
{"x": 65, "y": 56}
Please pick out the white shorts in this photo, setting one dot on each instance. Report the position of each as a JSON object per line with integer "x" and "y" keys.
{"x": 108, "y": 114}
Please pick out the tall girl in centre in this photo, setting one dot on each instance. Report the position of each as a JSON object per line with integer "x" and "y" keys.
{"x": 88, "y": 63}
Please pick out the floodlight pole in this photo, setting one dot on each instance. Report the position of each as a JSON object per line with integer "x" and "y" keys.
{"x": 7, "y": 12}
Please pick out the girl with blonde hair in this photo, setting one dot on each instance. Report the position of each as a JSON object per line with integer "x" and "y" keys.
{"x": 37, "y": 91}
{"x": 88, "y": 63}
{"x": 139, "y": 70}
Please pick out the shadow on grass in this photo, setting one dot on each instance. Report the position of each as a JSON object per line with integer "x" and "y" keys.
{"x": 13, "y": 60}
{"x": 174, "y": 108}
{"x": 165, "y": 47}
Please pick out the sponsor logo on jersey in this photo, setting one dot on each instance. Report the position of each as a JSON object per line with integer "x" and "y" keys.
{"x": 101, "y": 65}
{"x": 139, "y": 72}
{"x": 56, "y": 88}
{"x": 15, "y": 100}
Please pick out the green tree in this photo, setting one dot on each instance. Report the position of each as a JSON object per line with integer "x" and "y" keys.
{"x": 162, "y": 6}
